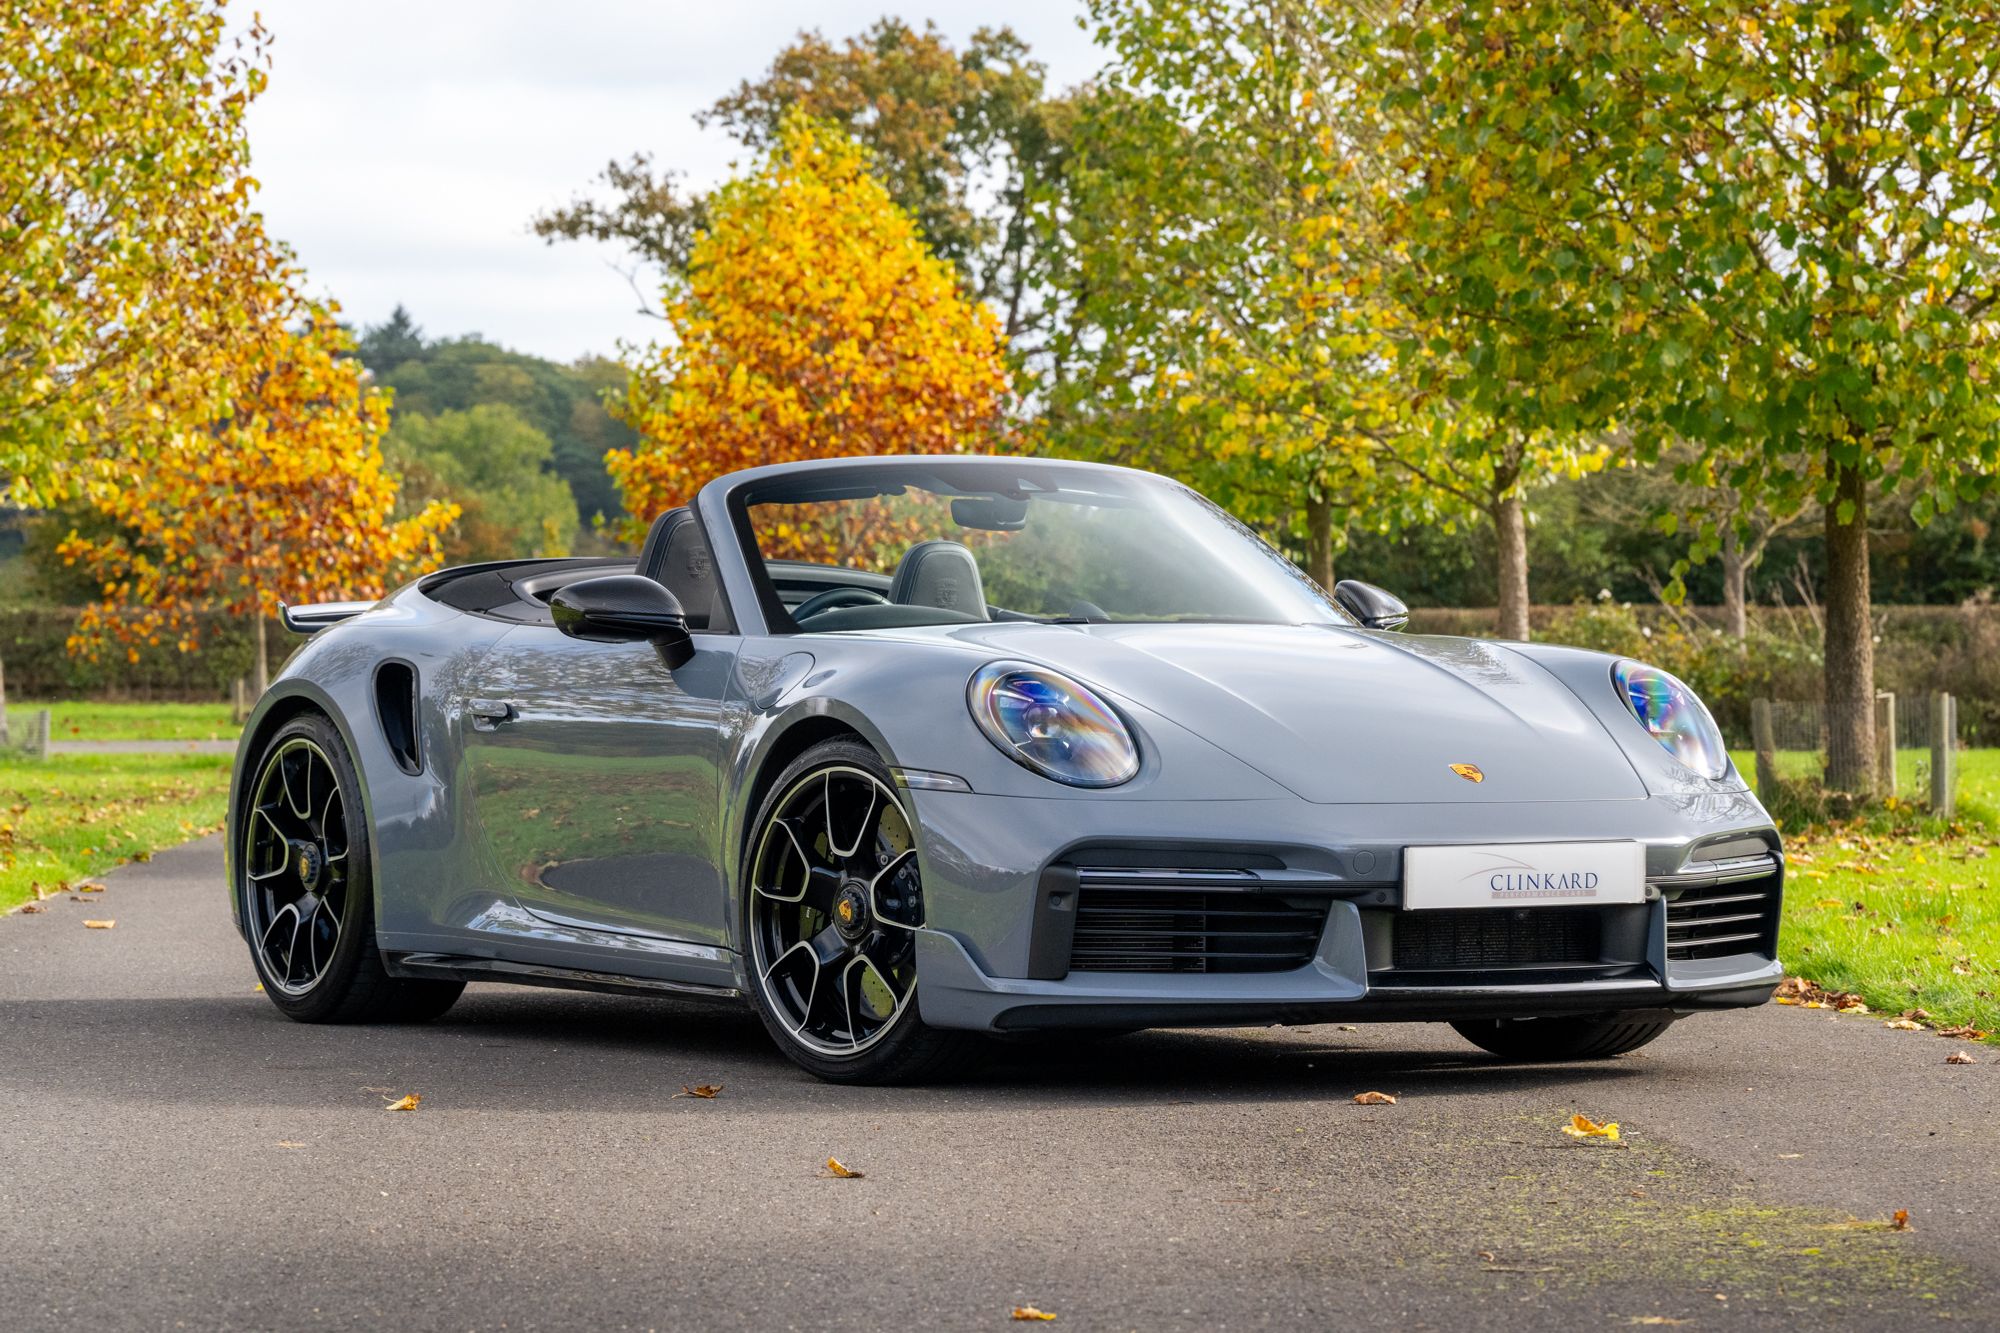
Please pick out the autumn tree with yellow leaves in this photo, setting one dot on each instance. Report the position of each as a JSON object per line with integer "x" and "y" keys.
{"x": 812, "y": 323}
{"x": 285, "y": 499}
{"x": 131, "y": 261}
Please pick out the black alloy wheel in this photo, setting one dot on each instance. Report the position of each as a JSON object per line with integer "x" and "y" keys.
{"x": 832, "y": 907}
{"x": 306, "y": 893}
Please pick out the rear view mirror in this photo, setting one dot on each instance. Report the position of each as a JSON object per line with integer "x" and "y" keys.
{"x": 624, "y": 608}
{"x": 1370, "y": 605}
{"x": 990, "y": 513}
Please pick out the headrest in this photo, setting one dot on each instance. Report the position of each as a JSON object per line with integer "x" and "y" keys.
{"x": 675, "y": 555}
{"x": 943, "y": 574}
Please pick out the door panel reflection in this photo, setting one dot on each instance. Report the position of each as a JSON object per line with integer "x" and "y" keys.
{"x": 595, "y": 798}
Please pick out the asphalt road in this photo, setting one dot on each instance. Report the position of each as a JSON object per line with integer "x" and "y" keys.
{"x": 174, "y": 1154}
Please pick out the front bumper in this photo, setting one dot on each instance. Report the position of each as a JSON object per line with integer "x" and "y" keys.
{"x": 998, "y": 953}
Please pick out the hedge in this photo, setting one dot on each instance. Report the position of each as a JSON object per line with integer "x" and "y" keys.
{"x": 38, "y": 665}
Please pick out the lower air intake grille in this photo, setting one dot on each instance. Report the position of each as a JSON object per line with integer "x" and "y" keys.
{"x": 1723, "y": 919}
{"x": 1178, "y": 930}
{"x": 1481, "y": 939}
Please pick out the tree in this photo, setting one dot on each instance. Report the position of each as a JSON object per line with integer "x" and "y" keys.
{"x": 1765, "y": 229}
{"x": 286, "y": 499}
{"x": 565, "y": 403}
{"x": 959, "y": 137}
{"x": 1216, "y": 266}
{"x": 812, "y": 323}
{"x": 389, "y": 344}
{"x": 494, "y": 465}
{"x": 130, "y": 261}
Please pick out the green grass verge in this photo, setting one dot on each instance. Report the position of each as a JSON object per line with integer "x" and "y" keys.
{"x": 1899, "y": 908}
{"x": 73, "y": 816}
{"x": 80, "y": 720}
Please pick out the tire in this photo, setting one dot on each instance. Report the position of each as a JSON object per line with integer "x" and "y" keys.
{"x": 1550, "y": 1039}
{"x": 817, "y": 922}
{"x": 302, "y": 863}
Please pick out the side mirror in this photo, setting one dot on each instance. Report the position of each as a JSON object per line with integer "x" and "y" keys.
{"x": 622, "y": 608}
{"x": 1370, "y": 605}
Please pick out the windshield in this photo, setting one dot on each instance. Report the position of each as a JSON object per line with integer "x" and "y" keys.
{"x": 959, "y": 542}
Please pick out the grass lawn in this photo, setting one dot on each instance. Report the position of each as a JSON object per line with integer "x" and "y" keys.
{"x": 76, "y": 720}
{"x": 74, "y": 816}
{"x": 1901, "y": 909}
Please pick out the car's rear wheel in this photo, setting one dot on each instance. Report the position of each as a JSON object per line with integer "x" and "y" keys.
{"x": 832, "y": 902}
{"x": 306, "y": 895}
{"x": 1561, "y": 1038}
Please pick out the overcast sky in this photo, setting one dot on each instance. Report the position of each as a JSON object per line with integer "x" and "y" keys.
{"x": 403, "y": 147}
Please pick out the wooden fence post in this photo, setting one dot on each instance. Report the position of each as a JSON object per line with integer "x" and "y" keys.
{"x": 41, "y": 733}
{"x": 1944, "y": 753}
{"x": 1763, "y": 739}
{"x": 238, "y": 708}
{"x": 1885, "y": 743}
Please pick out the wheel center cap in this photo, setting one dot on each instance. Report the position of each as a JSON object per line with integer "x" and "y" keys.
{"x": 850, "y": 909}
{"x": 307, "y": 863}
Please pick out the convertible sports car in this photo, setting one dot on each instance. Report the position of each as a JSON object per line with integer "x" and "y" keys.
{"x": 906, "y": 750}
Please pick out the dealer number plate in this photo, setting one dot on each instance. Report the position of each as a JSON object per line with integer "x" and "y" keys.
{"x": 1524, "y": 874}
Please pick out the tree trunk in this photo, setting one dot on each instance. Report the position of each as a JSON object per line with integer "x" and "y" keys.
{"x": 1510, "y": 523}
{"x": 3, "y": 703}
{"x": 1735, "y": 584}
{"x": 1319, "y": 541}
{"x": 1850, "y": 650}
{"x": 263, "y": 678}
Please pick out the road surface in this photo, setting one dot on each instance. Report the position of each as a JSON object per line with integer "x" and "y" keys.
{"x": 177, "y": 1155}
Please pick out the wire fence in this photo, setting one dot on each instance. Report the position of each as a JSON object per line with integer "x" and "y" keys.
{"x": 1801, "y": 724}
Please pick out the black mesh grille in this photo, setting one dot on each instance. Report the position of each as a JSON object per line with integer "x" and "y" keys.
{"x": 1152, "y": 930}
{"x": 1723, "y": 919}
{"x": 1479, "y": 939}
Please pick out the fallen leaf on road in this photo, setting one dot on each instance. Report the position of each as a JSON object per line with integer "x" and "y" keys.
{"x": 1783, "y": 999}
{"x": 408, "y": 1103}
{"x": 260, "y": 986}
{"x": 90, "y": 888}
{"x": 1920, "y": 1015}
{"x": 1583, "y": 1127}
{"x": 1790, "y": 1156}
{"x": 1858, "y": 1008}
{"x": 1964, "y": 1032}
{"x": 1656, "y": 1319}
{"x": 1904, "y": 1025}
{"x": 286, "y": 1143}
{"x": 705, "y": 1091}
{"x": 1030, "y": 1312}
{"x": 1373, "y": 1099}
{"x": 99, "y": 925}
{"x": 29, "y": 909}
{"x": 1901, "y": 1221}
{"x": 841, "y": 1171}
{"x": 1489, "y": 1256}
{"x": 1959, "y": 1058}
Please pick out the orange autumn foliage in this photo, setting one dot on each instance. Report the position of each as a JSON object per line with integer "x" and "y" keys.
{"x": 812, "y": 323}
{"x": 284, "y": 500}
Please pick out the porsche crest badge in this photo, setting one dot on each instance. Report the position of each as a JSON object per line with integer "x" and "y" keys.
{"x": 1470, "y": 772}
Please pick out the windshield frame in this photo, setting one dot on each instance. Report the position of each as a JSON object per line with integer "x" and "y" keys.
{"x": 731, "y": 499}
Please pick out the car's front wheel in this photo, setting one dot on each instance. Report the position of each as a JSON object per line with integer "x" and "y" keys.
{"x": 1550, "y": 1039}
{"x": 305, "y": 892}
{"x": 832, "y": 902}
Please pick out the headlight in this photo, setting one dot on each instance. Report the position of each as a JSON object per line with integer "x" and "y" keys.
{"x": 1673, "y": 716}
{"x": 1053, "y": 725}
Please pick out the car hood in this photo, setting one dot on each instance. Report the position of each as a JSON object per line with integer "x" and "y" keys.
{"x": 1344, "y": 716}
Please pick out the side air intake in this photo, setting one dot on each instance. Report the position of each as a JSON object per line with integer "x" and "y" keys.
{"x": 396, "y": 710}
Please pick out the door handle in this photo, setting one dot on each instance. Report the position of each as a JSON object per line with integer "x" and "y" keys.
{"x": 489, "y": 713}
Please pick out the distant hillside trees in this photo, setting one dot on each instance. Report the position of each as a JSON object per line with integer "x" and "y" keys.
{"x": 563, "y": 402}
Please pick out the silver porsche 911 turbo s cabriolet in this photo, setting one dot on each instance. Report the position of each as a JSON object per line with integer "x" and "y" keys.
{"x": 906, "y": 750}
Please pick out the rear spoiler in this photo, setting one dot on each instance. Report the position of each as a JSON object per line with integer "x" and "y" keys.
{"x": 312, "y": 617}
